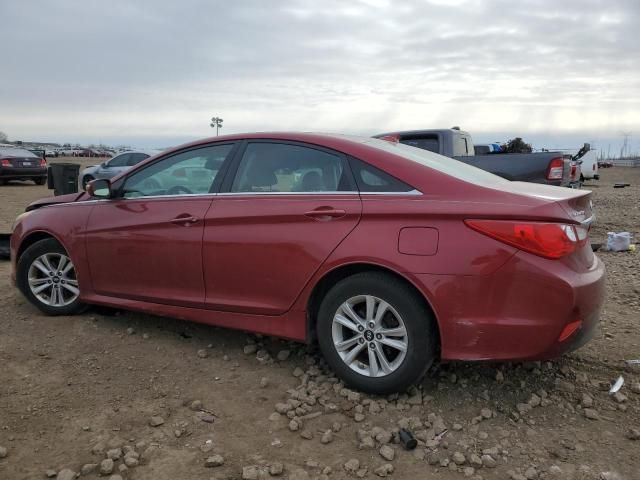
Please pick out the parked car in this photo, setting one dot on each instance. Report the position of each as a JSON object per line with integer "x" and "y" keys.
{"x": 114, "y": 166}
{"x": 484, "y": 148}
{"x": 550, "y": 168}
{"x": 388, "y": 256}
{"x": 21, "y": 164}
{"x": 50, "y": 152}
{"x": 605, "y": 164}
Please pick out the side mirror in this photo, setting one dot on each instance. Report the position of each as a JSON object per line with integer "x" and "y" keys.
{"x": 104, "y": 165}
{"x": 100, "y": 188}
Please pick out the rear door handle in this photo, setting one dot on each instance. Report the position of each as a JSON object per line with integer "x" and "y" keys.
{"x": 185, "y": 220}
{"x": 325, "y": 213}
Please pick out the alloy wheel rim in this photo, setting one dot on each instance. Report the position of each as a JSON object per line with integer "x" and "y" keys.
{"x": 369, "y": 336}
{"x": 52, "y": 280}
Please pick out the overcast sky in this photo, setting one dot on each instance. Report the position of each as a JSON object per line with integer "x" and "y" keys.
{"x": 152, "y": 73}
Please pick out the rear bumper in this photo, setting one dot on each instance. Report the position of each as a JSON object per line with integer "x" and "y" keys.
{"x": 12, "y": 173}
{"x": 519, "y": 312}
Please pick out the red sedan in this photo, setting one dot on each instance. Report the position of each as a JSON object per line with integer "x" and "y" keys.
{"x": 387, "y": 255}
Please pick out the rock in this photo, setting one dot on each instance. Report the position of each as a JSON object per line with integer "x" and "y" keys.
{"x": 591, "y": 414}
{"x": 475, "y": 460}
{"x": 415, "y": 399}
{"x": 384, "y": 470}
{"x": 358, "y": 417}
{"x": 130, "y": 331}
{"x": 283, "y": 355}
{"x": 250, "y": 473}
{"x": 564, "y": 386}
{"x": 531, "y": 473}
{"x": 457, "y": 427}
{"x": 387, "y": 452}
{"x": 587, "y": 400}
{"x": 499, "y": 376}
{"x": 555, "y": 471}
{"x": 206, "y": 417}
{"x": 250, "y": 349}
{"x": 635, "y": 387}
{"x": 115, "y": 477}
{"x": 66, "y": 474}
{"x": 633, "y": 434}
{"x": 276, "y": 469}
{"x": 50, "y": 473}
{"x": 619, "y": 397}
{"x": 264, "y": 382}
{"x": 383, "y": 437}
{"x": 535, "y": 400}
{"x": 196, "y": 405}
{"x": 114, "y": 453}
{"x": 486, "y": 413}
{"x": 327, "y": 437}
{"x": 294, "y": 426}
{"x": 214, "y": 461}
{"x": 3, "y": 452}
{"x": 352, "y": 465}
{"x": 468, "y": 471}
{"x": 458, "y": 458}
{"x": 306, "y": 434}
{"x": 202, "y": 353}
{"x": 298, "y": 372}
{"x": 131, "y": 461}
{"x": 488, "y": 461}
{"x": 106, "y": 467}
{"x": 88, "y": 468}
{"x": 156, "y": 421}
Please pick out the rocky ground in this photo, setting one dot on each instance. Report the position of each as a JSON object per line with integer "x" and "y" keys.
{"x": 141, "y": 397}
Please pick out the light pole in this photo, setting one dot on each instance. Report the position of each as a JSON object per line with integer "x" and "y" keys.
{"x": 217, "y": 123}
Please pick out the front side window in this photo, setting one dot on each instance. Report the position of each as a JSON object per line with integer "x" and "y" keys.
{"x": 136, "y": 158}
{"x": 278, "y": 167}
{"x": 187, "y": 173}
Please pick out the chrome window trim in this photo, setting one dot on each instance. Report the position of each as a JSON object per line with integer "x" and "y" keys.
{"x": 332, "y": 192}
{"x": 410, "y": 192}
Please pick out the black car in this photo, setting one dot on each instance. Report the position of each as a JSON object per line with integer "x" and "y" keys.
{"x": 21, "y": 164}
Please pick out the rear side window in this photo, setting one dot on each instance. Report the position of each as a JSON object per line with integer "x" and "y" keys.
{"x": 372, "y": 179}
{"x": 120, "y": 161}
{"x": 280, "y": 167}
{"x": 425, "y": 142}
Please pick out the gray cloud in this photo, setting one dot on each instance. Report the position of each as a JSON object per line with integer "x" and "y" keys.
{"x": 76, "y": 69}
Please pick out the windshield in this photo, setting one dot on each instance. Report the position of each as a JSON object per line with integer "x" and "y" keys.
{"x": 443, "y": 164}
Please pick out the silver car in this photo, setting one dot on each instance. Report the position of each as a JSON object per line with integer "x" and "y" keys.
{"x": 115, "y": 165}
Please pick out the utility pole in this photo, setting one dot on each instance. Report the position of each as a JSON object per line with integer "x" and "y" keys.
{"x": 625, "y": 144}
{"x": 217, "y": 123}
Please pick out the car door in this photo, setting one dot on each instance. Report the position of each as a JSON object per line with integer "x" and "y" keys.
{"x": 283, "y": 209}
{"x": 146, "y": 244}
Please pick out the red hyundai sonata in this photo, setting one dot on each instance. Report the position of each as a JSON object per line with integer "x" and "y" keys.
{"x": 387, "y": 255}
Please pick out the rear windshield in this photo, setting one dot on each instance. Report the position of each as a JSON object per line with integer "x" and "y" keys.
{"x": 16, "y": 152}
{"x": 449, "y": 166}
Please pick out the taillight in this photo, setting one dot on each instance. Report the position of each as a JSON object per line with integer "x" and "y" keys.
{"x": 548, "y": 240}
{"x": 43, "y": 162}
{"x": 555, "y": 169}
{"x": 574, "y": 169}
{"x": 5, "y": 163}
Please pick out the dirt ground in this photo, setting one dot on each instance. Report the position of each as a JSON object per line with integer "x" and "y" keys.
{"x": 74, "y": 390}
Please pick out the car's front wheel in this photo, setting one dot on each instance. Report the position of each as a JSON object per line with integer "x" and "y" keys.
{"x": 47, "y": 277}
{"x": 376, "y": 333}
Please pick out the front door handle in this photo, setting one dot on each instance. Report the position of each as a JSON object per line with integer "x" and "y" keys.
{"x": 325, "y": 213}
{"x": 185, "y": 220}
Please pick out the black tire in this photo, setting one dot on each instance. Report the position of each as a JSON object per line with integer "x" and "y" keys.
{"x": 419, "y": 323}
{"x": 39, "y": 248}
{"x": 40, "y": 181}
{"x": 86, "y": 179}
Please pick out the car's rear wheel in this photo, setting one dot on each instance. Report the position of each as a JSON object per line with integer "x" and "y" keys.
{"x": 47, "y": 277}
{"x": 86, "y": 179}
{"x": 376, "y": 333}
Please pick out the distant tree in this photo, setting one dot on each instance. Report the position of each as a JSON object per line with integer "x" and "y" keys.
{"x": 3, "y": 137}
{"x": 517, "y": 145}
